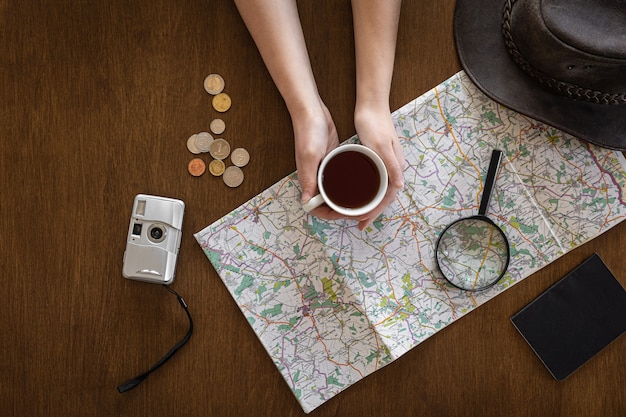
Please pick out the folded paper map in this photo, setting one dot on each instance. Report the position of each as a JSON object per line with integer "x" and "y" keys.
{"x": 332, "y": 304}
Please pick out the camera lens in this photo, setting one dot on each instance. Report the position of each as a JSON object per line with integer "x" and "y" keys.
{"x": 156, "y": 233}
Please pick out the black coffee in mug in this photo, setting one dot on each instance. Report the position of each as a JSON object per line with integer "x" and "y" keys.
{"x": 351, "y": 179}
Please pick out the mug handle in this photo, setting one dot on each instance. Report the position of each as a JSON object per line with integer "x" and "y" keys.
{"x": 313, "y": 203}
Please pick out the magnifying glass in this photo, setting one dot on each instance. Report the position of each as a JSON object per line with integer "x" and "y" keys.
{"x": 473, "y": 253}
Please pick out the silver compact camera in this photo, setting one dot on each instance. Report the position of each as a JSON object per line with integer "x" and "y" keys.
{"x": 153, "y": 239}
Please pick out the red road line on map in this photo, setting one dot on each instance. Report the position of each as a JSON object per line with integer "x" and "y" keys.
{"x": 261, "y": 203}
{"x": 428, "y": 129}
{"x": 319, "y": 338}
{"x": 268, "y": 321}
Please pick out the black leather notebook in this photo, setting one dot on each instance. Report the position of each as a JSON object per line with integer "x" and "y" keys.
{"x": 575, "y": 318}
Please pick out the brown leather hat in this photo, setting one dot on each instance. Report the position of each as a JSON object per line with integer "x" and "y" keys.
{"x": 562, "y": 62}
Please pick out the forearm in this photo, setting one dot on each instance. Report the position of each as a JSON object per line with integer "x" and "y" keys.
{"x": 375, "y": 33}
{"x": 278, "y": 35}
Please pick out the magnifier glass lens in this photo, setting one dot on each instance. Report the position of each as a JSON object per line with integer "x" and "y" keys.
{"x": 473, "y": 253}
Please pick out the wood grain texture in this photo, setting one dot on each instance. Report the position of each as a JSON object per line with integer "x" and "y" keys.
{"x": 97, "y": 100}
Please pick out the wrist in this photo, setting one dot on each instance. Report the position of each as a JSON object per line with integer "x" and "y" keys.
{"x": 372, "y": 100}
{"x": 371, "y": 108}
{"x": 304, "y": 111}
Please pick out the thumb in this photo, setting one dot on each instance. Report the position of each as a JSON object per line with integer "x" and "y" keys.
{"x": 308, "y": 184}
{"x": 307, "y": 175}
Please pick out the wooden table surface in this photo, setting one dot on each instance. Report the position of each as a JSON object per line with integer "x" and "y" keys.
{"x": 97, "y": 100}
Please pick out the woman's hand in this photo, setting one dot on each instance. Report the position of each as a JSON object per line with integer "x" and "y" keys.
{"x": 315, "y": 136}
{"x": 376, "y": 130}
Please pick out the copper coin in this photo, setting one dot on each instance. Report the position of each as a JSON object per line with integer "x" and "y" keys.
{"x": 214, "y": 84}
{"x": 216, "y": 167}
{"x": 221, "y": 102}
{"x": 196, "y": 167}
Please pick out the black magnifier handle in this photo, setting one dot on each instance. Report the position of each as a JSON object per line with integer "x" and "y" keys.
{"x": 494, "y": 166}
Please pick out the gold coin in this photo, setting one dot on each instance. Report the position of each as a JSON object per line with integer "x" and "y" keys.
{"x": 240, "y": 157}
{"x": 220, "y": 149}
{"x": 221, "y": 102}
{"x": 216, "y": 167}
{"x": 218, "y": 126}
{"x": 203, "y": 141}
{"x": 233, "y": 176}
{"x": 196, "y": 167}
{"x": 214, "y": 84}
{"x": 191, "y": 145}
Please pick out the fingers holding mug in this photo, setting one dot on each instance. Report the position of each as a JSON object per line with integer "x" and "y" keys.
{"x": 352, "y": 181}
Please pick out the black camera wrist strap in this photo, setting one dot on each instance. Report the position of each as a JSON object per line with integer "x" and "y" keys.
{"x": 127, "y": 386}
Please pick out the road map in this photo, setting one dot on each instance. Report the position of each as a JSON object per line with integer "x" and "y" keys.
{"x": 332, "y": 304}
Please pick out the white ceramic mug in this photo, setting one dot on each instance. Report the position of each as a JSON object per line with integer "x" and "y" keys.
{"x": 352, "y": 179}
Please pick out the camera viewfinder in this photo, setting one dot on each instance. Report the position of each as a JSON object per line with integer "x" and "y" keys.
{"x": 137, "y": 229}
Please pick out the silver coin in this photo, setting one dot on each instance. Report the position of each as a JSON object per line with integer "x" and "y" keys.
{"x": 191, "y": 145}
{"x": 203, "y": 141}
{"x": 233, "y": 176}
{"x": 240, "y": 157}
{"x": 214, "y": 84}
{"x": 220, "y": 149}
{"x": 218, "y": 126}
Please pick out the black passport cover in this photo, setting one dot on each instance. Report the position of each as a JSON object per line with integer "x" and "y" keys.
{"x": 575, "y": 318}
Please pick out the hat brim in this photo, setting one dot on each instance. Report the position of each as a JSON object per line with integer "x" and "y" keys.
{"x": 484, "y": 57}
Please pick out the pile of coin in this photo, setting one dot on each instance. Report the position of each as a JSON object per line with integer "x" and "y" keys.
{"x": 218, "y": 148}
{"x": 214, "y": 84}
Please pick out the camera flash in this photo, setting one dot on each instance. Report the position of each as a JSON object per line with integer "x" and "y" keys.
{"x": 141, "y": 208}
